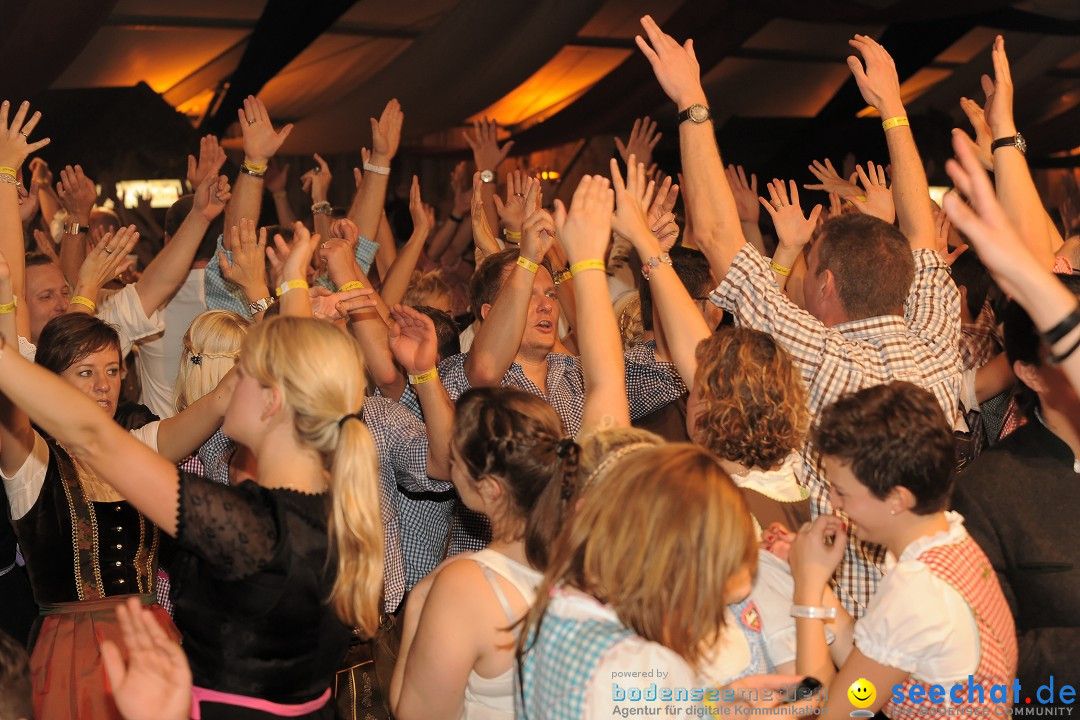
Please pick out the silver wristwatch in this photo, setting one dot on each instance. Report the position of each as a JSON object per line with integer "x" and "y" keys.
{"x": 487, "y": 176}
{"x": 261, "y": 305}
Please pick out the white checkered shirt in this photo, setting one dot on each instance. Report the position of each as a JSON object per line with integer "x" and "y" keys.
{"x": 921, "y": 348}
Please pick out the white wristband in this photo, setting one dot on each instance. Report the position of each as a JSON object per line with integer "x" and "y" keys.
{"x": 813, "y": 613}
{"x": 377, "y": 169}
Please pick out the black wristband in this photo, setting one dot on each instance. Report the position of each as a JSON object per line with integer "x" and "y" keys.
{"x": 1058, "y": 358}
{"x": 455, "y": 218}
{"x": 1063, "y": 328}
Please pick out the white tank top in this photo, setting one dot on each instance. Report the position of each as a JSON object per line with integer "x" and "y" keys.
{"x": 493, "y": 698}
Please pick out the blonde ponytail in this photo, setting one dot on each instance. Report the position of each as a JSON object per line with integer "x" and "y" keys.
{"x": 356, "y": 528}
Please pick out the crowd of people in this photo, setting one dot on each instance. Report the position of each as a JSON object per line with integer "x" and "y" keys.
{"x": 540, "y": 460}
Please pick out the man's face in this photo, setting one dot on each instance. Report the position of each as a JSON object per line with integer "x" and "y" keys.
{"x": 542, "y": 322}
{"x": 47, "y": 295}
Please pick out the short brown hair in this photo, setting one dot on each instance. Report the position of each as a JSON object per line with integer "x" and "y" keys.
{"x": 518, "y": 438}
{"x": 893, "y": 435}
{"x": 871, "y": 261}
{"x": 15, "y": 690}
{"x": 753, "y": 398}
{"x": 67, "y": 339}
{"x": 658, "y": 538}
{"x": 486, "y": 281}
{"x": 425, "y": 287}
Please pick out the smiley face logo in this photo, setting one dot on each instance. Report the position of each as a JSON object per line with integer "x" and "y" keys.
{"x": 862, "y": 693}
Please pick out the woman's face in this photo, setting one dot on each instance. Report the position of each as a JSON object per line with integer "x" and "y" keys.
{"x": 463, "y": 483}
{"x": 869, "y": 514}
{"x": 97, "y": 376}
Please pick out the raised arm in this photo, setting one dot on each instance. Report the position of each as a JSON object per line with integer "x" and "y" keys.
{"x": 880, "y": 87}
{"x": 793, "y": 229}
{"x": 487, "y": 155}
{"x": 316, "y": 182}
{"x": 260, "y": 144}
{"x": 585, "y": 235}
{"x": 462, "y": 197}
{"x": 100, "y": 267}
{"x": 247, "y": 267}
{"x": 415, "y": 345}
{"x": 77, "y": 194}
{"x": 166, "y": 273}
{"x": 367, "y": 208}
{"x": 717, "y": 229}
{"x": 396, "y": 282}
{"x": 289, "y": 266}
{"x": 275, "y": 180}
{"x": 746, "y": 201}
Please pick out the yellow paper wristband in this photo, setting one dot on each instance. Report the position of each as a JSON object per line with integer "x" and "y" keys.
{"x": 894, "y": 122}
{"x": 511, "y": 234}
{"x": 432, "y": 374}
{"x": 351, "y": 285}
{"x": 8, "y": 171}
{"x": 291, "y": 285}
{"x": 780, "y": 269}
{"x": 254, "y": 168}
{"x": 8, "y": 308}
{"x": 527, "y": 264}
{"x": 582, "y": 266}
{"x": 84, "y": 301}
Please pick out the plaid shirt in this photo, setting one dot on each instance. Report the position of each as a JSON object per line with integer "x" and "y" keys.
{"x": 650, "y": 384}
{"x": 981, "y": 340}
{"x": 224, "y": 295}
{"x": 921, "y": 348}
{"x": 401, "y": 441}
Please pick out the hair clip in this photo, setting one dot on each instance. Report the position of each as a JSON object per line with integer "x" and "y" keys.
{"x": 564, "y": 446}
{"x": 196, "y": 359}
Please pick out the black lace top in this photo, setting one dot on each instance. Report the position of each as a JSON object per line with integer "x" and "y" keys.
{"x": 250, "y": 586}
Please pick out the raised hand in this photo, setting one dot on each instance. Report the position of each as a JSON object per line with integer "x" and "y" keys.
{"x": 423, "y": 216}
{"x": 984, "y": 138}
{"x": 538, "y": 231}
{"x": 103, "y": 262}
{"x": 878, "y": 82}
{"x": 660, "y": 215}
{"x": 793, "y": 229}
{"x": 586, "y": 231}
{"x": 211, "y": 159}
{"x": 77, "y": 193}
{"x": 276, "y": 177}
{"x": 631, "y": 198}
{"x": 386, "y": 133}
{"x": 512, "y": 212}
{"x": 642, "y": 140}
{"x": 261, "y": 142}
{"x": 813, "y": 560}
{"x": 484, "y": 142}
{"x": 836, "y": 206}
{"x": 942, "y": 226}
{"x": 746, "y": 194}
{"x": 211, "y": 196}
{"x": 14, "y": 143}
{"x": 40, "y": 172}
{"x": 155, "y": 682}
{"x": 676, "y": 66}
{"x": 326, "y": 305}
{"x": 999, "y": 93}
{"x": 294, "y": 265}
{"x": 316, "y": 181}
{"x": 248, "y": 266}
{"x": 879, "y": 200}
{"x": 29, "y": 205}
{"x": 413, "y": 340}
{"x": 830, "y": 181}
{"x": 345, "y": 229}
{"x": 483, "y": 236}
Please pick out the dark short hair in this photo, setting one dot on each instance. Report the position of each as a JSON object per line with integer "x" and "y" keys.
{"x": 67, "y": 339}
{"x": 174, "y": 218}
{"x": 893, "y": 435}
{"x": 969, "y": 272}
{"x": 692, "y": 267}
{"x": 445, "y": 329}
{"x": 488, "y": 278}
{"x": 15, "y": 688}
{"x": 36, "y": 259}
{"x": 871, "y": 261}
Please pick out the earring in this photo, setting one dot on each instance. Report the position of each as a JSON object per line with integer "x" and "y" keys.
{"x": 892, "y": 512}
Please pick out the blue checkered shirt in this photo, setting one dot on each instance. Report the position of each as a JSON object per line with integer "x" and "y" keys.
{"x": 224, "y": 295}
{"x": 650, "y": 384}
{"x": 921, "y": 348}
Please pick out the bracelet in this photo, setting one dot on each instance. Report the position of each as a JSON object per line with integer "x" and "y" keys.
{"x": 455, "y": 218}
{"x": 779, "y": 269}
{"x": 8, "y": 308}
{"x": 561, "y": 276}
{"x": 10, "y": 180}
{"x": 8, "y": 171}
{"x": 583, "y": 265}
{"x": 291, "y": 285}
{"x": 813, "y": 613}
{"x": 1063, "y": 328}
{"x": 377, "y": 169}
{"x": 322, "y": 208}
{"x": 75, "y": 228}
{"x": 432, "y": 374}
{"x": 654, "y": 262}
{"x": 253, "y": 170}
{"x": 511, "y": 234}
{"x": 894, "y": 122}
{"x": 1058, "y": 358}
{"x": 527, "y": 264}
{"x": 84, "y": 301}
{"x": 351, "y": 285}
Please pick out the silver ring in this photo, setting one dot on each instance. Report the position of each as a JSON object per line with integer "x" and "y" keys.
{"x": 520, "y": 195}
{"x": 23, "y": 134}
{"x": 316, "y": 170}
{"x": 108, "y": 250}
{"x": 251, "y": 122}
{"x": 777, "y": 205}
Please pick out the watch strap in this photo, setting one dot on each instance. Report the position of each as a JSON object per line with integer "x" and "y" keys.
{"x": 1009, "y": 141}
{"x": 687, "y": 114}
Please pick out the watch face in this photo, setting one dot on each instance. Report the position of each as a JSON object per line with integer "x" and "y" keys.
{"x": 487, "y": 176}
{"x": 1021, "y": 143}
{"x": 699, "y": 113}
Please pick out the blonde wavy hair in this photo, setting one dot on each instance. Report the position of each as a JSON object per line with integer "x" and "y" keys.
{"x": 211, "y": 348}
{"x": 659, "y": 538}
{"x": 320, "y": 372}
{"x": 424, "y": 288}
{"x": 751, "y": 397}
{"x": 602, "y": 449}
{"x": 628, "y": 315}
